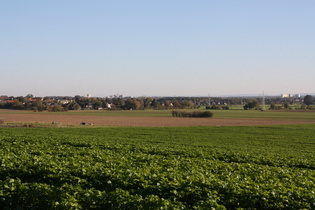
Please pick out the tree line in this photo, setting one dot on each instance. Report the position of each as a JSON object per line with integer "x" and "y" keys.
{"x": 306, "y": 103}
{"x": 85, "y": 103}
{"x": 59, "y": 103}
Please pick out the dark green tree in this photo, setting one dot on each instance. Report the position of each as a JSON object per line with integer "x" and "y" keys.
{"x": 252, "y": 105}
{"x": 308, "y": 100}
{"x": 130, "y": 104}
{"x": 155, "y": 104}
{"x": 272, "y": 106}
{"x": 147, "y": 103}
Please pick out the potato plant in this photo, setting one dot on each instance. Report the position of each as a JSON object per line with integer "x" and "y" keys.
{"x": 265, "y": 167}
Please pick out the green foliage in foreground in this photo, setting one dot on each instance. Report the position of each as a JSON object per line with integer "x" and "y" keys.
{"x": 265, "y": 167}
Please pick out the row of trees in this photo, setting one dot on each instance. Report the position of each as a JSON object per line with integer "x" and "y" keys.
{"x": 78, "y": 102}
{"x": 36, "y": 106}
{"x": 308, "y": 100}
{"x": 133, "y": 103}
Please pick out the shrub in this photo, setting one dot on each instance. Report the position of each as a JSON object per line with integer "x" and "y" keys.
{"x": 175, "y": 113}
{"x": 225, "y": 107}
{"x": 192, "y": 114}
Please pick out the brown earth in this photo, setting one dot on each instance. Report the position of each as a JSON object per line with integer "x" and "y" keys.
{"x": 142, "y": 121}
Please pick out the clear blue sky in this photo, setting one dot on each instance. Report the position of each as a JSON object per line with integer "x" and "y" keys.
{"x": 157, "y": 48}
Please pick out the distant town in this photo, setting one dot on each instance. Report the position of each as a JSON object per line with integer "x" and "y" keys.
{"x": 119, "y": 102}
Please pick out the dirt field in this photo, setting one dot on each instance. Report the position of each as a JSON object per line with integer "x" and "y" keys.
{"x": 141, "y": 121}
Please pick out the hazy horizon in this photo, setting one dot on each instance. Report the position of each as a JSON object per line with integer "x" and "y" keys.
{"x": 113, "y": 95}
{"x": 157, "y": 48}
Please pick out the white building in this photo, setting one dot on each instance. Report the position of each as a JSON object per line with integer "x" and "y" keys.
{"x": 284, "y": 95}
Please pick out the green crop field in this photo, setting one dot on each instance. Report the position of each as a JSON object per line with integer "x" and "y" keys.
{"x": 256, "y": 167}
{"x": 254, "y": 114}
{"x": 242, "y": 114}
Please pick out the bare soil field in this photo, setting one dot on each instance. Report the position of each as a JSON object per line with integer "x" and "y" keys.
{"x": 142, "y": 121}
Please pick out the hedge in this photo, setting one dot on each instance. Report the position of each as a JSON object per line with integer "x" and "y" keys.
{"x": 192, "y": 114}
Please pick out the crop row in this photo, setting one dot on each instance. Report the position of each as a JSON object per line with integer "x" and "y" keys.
{"x": 151, "y": 168}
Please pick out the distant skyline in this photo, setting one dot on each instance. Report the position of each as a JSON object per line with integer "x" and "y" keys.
{"x": 284, "y": 95}
{"x": 157, "y": 48}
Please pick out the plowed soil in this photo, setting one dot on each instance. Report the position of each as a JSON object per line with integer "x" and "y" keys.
{"x": 142, "y": 121}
